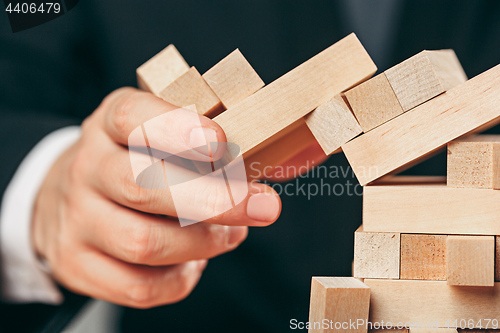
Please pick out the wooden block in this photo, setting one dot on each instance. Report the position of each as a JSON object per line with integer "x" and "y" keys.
{"x": 412, "y": 301}
{"x": 161, "y": 70}
{"x": 431, "y": 209}
{"x": 414, "y": 135}
{"x": 428, "y": 329}
{"x": 474, "y": 161}
{"x": 285, "y": 133}
{"x": 423, "y": 257}
{"x": 471, "y": 261}
{"x": 292, "y": 96}
{"x": 376, "y": 254}
{"x": 333, "y": 124}
{"x": 497, "y": 258}
{"x": 233, "y": 79}
{"x": 191, "y": 88}
{"x": 279, "y": 150}
{"x": 374, "y": 102}
{"x": 338, "y": 299}
{"x": 424, "y": 76}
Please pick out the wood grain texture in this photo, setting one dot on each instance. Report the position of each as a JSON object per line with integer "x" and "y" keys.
{"x": 447, "y": 68}
{"x": 161, "y": 70}
{"x": 470, "y": 261}
{"x": 376, "y": 255}
{"x": 497, "y": 258}
{"x": 374, "y": 102}
{"x": 233, "y": 79}
{"x": 296, "y": 93}
{"x": 424, "y": 76}
{"x": 474, "y": 162}
{"x": 431, "y": 209}
{"x": 338, "y": 299}
{"x": 333, "y": 124}
{"x": 417, "y": 133}
{"x": 191, "y": 88}
{"x": 423, "y": 257}
{"x": 430, "y": 301}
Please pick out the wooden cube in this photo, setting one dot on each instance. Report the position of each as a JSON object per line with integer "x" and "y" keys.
{"x": 338, "y": 300}
{"x": 376, "y": 254}
{"x": 424, "y": 76}
{"x": 161, "y": 70}
{"x": 333, "y": 124}
{"x": 423, "y": 257}
{"x": 471, "y": 260}
{"x": 233, "y": 79}
{"x": 474, "y": 162}
{"x": 374, "y": 102}
{"x": 191, "y": 88}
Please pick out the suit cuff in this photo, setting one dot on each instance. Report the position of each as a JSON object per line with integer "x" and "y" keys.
{"x": 25, "y": 279}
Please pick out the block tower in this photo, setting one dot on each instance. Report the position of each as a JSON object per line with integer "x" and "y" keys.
{"x": 426, "y": 248}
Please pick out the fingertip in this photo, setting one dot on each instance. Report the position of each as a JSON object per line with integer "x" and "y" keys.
{"x": 264, "y": 207}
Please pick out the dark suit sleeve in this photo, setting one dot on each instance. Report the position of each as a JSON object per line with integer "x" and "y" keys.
{"x": 49, "y": 78}
{"x": 47, "y": 74}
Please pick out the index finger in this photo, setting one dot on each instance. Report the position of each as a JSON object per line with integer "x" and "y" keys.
{"x": 168, "y": 128}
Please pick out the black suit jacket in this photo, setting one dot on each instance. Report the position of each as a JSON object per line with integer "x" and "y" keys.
{"x": 56, "y": 74}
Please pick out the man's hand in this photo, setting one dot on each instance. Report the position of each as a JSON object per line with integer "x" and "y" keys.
{"x": 100, "y": 232}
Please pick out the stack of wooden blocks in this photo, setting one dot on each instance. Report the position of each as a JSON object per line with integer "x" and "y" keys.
{"x": 268, "y": 123}
{"x": 426, "y": 257}
{"x": 426, "y": 249}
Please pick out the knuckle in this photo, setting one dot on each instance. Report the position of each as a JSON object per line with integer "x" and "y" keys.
{"x": 133, "y": 195}
{"x": 118, "y": 93}
{"x": 118, "y": 179}
{"x": 107, "y": 101}
{"x": 145, "y": 293}
{"x": 141, "y": 248}
{"x": 121, "y": 114}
